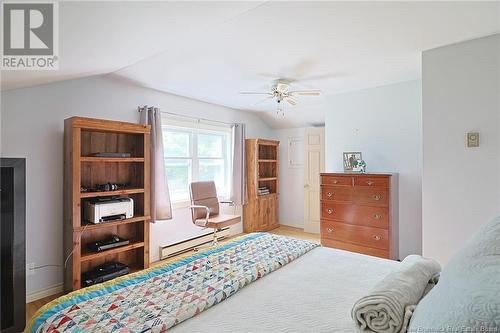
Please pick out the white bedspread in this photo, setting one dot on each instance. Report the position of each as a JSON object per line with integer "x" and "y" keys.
{"x": 315, "y": 293}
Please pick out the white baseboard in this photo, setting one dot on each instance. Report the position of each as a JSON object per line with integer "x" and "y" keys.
{"x": 299, "y": 225}
{"x": 49, "y": 291}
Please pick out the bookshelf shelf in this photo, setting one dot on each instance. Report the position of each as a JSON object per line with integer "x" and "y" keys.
{"x": 267, "y": 179}
{"x": 87, "y": 255}
{"x": 111, "y": 193}
{"x": 110, "y": 224}
{"x": 112, "y": 159}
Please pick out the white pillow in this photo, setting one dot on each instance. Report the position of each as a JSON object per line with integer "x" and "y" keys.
{"x": 467, "y": 296}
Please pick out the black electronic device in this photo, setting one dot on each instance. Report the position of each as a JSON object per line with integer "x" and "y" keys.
{"x": 112, "y": 242}
{"x": 110, "y": 187}
{"x": 107, "y": 187}
{"x": 104, "y": 272}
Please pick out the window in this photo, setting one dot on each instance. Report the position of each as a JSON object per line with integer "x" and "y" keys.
{"x": 195, "y": 152}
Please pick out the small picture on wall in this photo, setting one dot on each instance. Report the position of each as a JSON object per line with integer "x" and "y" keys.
{"x": 351, "y": 160}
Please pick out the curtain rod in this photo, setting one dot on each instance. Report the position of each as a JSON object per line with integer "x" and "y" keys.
{"x": 198, "y": 119}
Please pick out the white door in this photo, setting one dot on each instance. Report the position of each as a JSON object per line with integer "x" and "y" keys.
{"x": 314, "y": 163}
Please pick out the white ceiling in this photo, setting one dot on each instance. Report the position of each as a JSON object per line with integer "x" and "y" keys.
{"x": 213, "y": 50}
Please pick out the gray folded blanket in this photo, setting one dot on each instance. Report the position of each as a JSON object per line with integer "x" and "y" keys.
{"x": 389, "y": 306}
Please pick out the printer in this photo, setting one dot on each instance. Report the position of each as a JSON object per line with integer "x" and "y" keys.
{"x": 107, "y": 209}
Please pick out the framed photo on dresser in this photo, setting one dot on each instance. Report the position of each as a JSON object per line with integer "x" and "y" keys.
{"x": 350, "y": 160}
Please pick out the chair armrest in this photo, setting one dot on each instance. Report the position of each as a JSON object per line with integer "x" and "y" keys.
{"x": 202, "y": 207}
{"x": 229, "y": 202}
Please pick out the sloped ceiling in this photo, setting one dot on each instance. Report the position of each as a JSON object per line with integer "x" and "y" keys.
{"x": 211, "y": 51}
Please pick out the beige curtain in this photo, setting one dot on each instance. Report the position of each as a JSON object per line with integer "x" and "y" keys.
{"x": 161, "y": 208}
{"x": 238, "y": 181}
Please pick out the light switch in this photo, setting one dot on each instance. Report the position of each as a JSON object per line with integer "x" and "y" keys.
{"x": 472, "y": 139}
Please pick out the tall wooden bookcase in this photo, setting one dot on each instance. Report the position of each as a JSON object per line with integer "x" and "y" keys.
{"x": 260, "y": 213}
{"x": 84, "y": 137}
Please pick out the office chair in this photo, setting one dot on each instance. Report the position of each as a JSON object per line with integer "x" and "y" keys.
{"x": 205, "y": 208}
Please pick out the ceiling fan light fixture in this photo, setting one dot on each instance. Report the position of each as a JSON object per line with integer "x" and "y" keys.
{"x": 280, "y": 91}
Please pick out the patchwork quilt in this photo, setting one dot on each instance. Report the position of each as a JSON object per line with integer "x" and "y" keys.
{"x": 158, "y": 298}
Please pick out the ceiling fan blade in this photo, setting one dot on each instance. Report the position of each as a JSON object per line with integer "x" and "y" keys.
{"x": 305, "y": 93}
{"x": 255, "y": 93}
{"x": 291, "y": 101}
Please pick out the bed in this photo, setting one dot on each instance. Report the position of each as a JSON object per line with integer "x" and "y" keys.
{"x": 314, "y": 293}
{"x": 267, "y": 283}
{"x": 296, "y": 286}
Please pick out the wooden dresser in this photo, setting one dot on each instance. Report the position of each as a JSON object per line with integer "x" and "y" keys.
{"x": 359, "y": 213}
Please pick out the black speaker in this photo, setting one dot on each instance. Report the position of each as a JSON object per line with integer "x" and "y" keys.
{"x": 13, "y": 244}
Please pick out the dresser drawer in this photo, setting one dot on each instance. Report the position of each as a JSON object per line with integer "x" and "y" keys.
{"x": 337, "y": 193}
{"x": 336, "y": 180}
{"x": 371, "y": 196}
{"x": 360, "y": 215}
{"x": 355, "y": 248}
{"x": 371, "y": 181}
{"x": 360, "y": 235}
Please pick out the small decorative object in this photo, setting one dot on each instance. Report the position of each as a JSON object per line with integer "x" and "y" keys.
{"x": 360, "y": 166}
{"x": 472, "y": 139}
{"x": 350, "y": 160}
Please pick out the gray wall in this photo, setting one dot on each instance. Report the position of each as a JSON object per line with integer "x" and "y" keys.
{"x": 384, "y": 123}
{"x": 461, "y": 186}
{"x": 32, "y": 127}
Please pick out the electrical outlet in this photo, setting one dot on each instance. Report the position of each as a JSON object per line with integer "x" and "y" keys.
{"x": 30, "y": 269}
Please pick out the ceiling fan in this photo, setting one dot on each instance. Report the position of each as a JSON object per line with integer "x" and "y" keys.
{"x": 280, "y": 92}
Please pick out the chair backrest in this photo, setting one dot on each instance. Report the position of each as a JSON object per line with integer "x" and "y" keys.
{"x": 204, "y": 194}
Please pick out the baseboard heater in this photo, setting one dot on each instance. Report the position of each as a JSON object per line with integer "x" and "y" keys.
{"x": 170, "y": 250}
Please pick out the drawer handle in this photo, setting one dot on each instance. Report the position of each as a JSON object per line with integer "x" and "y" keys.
{"x": 329, "y": 194}
{"x": 369, "y": 182}
{"x": 377, "y": 216}
{"x": 377, "y": 238}
{"x": 329, "y": 211}
{"x": 376, "y": 197}
{"x": 335, "y": 181}
{"x": 329, "y": 230}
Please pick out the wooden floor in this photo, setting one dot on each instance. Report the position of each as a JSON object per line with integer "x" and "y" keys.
{"x": 32, "y": 307}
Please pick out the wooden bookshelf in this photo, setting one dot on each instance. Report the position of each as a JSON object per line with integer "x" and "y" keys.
{"x": 261, "y": 211}
{"x": 83, "y": 137}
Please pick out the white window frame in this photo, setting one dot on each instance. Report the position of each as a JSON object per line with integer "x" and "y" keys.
{"x": 194, "y": 129}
